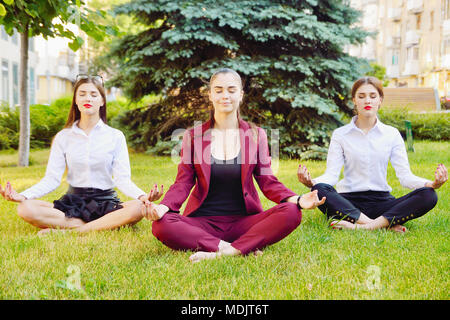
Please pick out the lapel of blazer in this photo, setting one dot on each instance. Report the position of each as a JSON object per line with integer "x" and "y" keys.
{"x": 249, "y": 149}
{"x": 202, "y": 150}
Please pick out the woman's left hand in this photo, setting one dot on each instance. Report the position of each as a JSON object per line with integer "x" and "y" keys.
{"x": 440, "y": 177}
{"x": 310, "y": 200}
{"x": 153, "y": 195}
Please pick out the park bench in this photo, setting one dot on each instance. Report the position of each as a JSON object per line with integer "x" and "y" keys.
{"x": 416, "y": 99}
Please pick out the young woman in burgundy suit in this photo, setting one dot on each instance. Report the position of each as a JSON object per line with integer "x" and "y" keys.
{"x": 219, "y": 159}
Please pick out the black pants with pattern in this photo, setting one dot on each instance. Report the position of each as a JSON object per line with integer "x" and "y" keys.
{"x": 348, "y": 206}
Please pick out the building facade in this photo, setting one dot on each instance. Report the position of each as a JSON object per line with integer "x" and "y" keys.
{"x": 52, "y": 69}
{"x": 412, "y": 41}
{"x": 10, "y": 60}
{"x": 56, "y": 70}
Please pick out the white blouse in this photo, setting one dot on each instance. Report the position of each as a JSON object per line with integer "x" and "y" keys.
{"x": 365, "y": 159}
{"x": 98, "y": 160}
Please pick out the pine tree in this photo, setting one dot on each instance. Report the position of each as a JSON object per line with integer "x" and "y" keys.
{"x": 289, "y": 53}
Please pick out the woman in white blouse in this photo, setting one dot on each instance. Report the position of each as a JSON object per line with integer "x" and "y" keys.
{"x": 96, "y": 158}
{"x": 364, "y": 147}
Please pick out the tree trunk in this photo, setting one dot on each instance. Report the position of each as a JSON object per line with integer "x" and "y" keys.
{"x": 24, "y": 140}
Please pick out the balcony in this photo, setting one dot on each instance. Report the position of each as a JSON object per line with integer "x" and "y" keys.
{"x": 63, "y": 71}
{"x": 395, "y": 14}
{"x": 393, "y": 71}
{"x": 393, "y": 42}
{"x": 412, "y": 68}
{"x": 446, "y": 27}
{"x": 446, "y": 61}
{"x": 415, "y": 6}
{"x": 412, "y": 37}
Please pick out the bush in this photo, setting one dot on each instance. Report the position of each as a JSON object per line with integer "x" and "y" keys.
{"x": 9, "y": 124}
{"x": 46, "y": 120}
{"x": 425, "y": 126}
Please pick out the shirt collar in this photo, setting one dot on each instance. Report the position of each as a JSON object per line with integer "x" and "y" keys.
{"x": 75, "y": 128}
{"x": 352, "y": 126}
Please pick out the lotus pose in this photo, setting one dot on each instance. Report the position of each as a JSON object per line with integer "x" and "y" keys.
{"x": 96, "y": 158}
{"x": 219, "y": 159}
{"x": 362, "y": 199}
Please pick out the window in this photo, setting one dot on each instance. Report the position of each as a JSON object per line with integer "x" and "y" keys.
{"x": 30, "y": 44}
{"x": 446, "y": 46}
{"x": 5, "y": 80}
{"x": 446, "y": 9}
{"x": 4, "y": 34}
{"x": 15, "y": 38}
{"x": 15, "y": 74}
{"x": 418, "y": 21}
{"x": 32, "y": 87}
{"x": 412, "y": 53}
{"x": 395, "y": 55}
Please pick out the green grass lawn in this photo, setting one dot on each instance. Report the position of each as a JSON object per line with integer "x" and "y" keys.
{"x": 313, "y": 262}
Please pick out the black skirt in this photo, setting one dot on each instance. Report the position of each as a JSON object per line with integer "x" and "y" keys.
{"x": 88, "y": 204}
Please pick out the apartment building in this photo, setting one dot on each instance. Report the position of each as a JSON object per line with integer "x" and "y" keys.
{"x": 57, "y": 69}
{"x": 412, "y": 41}
{"x": 52, "y": 69}
{"x": 10, "y": 60}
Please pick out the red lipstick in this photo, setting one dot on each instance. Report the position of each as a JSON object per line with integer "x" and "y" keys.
{"x": 367, "y": 107}
{"x": 87, "y": 105}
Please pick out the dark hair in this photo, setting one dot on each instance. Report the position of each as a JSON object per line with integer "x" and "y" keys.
{"x": 74, "y": 113}
{"x": 368, "y": 80}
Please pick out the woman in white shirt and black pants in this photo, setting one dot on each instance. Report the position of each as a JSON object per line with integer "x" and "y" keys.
{"x": 364, "y": 147}
{"x": 96, "y": 158}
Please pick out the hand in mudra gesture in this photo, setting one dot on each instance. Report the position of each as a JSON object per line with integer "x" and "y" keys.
{"x": 10, "y": 194}
{"x": 440, "y": 177}
{"x": 310, "y": 200}
{"x": 153, "y": 195}
{"x": 304, "y": 176}
{"x": 154, "y": 212}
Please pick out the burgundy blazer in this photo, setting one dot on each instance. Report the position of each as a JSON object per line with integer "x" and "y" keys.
{"x": 194, "y": 170}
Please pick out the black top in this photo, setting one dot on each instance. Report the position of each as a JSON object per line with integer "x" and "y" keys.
{"x": 225, "y": 190}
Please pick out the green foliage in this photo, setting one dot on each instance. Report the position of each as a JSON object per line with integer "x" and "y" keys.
{"x": 289, "y": 54}
{"x": 145, "y": 127}
{"x": 429, "y": 126}
{"x": 38, "y": 18}
{"x": 9, "y": 122}
{"x": 46, "y": 121}
{"x": 379, "y": 72}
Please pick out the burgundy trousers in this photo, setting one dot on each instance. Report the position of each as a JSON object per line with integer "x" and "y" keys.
{"x": 246, "y": 233}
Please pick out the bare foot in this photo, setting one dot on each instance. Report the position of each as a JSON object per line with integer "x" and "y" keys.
{"x": 258, "y": 253}
{"x": 202, "y": 255}
{"x": 225, "y": 249}
{"x": 342, "y": 224}
{"x": 399, "y": 228}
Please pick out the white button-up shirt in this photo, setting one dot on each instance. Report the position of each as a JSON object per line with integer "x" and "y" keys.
{"x": 365, "y": 159}
{"x": 98, "y": 160}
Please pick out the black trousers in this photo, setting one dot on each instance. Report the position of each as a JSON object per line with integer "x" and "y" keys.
{"x": 348, "y": 206}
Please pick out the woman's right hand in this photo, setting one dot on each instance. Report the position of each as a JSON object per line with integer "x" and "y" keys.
{"x": 10, "y": 194}
{"x": 154, "y": 212}
{"x": 440, "y": 177}
{"x": 304, "y": 177}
